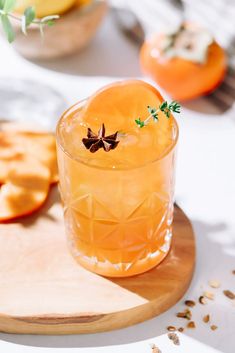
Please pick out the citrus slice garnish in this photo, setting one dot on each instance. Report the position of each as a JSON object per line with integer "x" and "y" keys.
{"x": 120, "y": 103}
{"x": 118, "y": 106}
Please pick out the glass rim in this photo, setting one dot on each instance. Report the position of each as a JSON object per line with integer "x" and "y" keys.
{"x": 60, "y": 145}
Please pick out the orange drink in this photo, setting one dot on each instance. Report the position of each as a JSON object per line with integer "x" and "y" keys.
{"x": 118, "y": 203}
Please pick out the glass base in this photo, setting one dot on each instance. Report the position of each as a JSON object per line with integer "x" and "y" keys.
{"x": 108, "y": 269}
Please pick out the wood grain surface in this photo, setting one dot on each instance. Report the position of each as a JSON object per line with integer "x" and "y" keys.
{"x": 44, "y": 291}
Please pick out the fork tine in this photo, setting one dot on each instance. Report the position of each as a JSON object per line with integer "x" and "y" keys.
{"x": 224, "y": 96}
{"x": 226, "y": 88}
{"x": 230, "y": 81}
{"x": 222, "y": 100}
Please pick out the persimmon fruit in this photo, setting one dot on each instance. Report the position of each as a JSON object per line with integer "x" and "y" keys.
{"x": 28, "y": 165}
{"x": 25, "y": 189}
{"x": 181, "y": 78}
{"x": 14, "y": 145}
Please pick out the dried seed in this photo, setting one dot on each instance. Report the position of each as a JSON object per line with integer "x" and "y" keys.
{"x": 181, "y": 329}
{"x": 233, "y": 272}
{"x": 214, "y": 284}
{"x": 202, "y": 300}
{"x": 206, "y": 318}
{"x": 229, "y": 294}
{"x": 185, "y": 314}
{"x": 209, "y": 295}
{"x": 214, "y": 327}
{"x": 171, "y": 328}
{"x": 174, "y": 338}
{"x": 155, "y": 349}
{"x": 190, "y": 303}
{"x": 191, "y": 324}
{"x": 182, "y": 315}
{"x": 93, "y": 142}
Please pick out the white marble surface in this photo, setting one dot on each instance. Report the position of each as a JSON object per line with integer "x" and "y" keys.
{"x": 205, "y": 190}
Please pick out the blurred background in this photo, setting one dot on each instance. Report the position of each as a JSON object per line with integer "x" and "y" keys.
{"x": 103, "y": 38}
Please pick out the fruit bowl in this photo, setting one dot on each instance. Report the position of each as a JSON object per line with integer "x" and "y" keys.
{"x": 73, "y": 31}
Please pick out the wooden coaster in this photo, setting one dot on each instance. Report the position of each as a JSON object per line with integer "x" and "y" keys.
{"x": 44, "y": 291}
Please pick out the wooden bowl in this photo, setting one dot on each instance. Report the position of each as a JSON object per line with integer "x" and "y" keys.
{"x": 73, "y": 31}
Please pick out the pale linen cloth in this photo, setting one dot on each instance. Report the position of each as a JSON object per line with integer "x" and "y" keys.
{"x": 216, "y": 15}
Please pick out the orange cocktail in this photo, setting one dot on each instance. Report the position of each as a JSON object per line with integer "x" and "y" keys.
{"x": 118, "y": 204}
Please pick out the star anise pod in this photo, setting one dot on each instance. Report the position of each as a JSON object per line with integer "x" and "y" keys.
{"x": 94, "y": 142}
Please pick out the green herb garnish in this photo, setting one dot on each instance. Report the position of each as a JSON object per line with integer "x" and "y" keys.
{"x": 153, "y": 112}
{"x": 28, "y": 18}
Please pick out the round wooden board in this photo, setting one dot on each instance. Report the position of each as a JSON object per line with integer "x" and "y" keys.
{"x": 44, "y": 291}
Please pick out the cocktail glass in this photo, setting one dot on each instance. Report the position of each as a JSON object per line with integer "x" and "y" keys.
{"x": 118, "y": 220}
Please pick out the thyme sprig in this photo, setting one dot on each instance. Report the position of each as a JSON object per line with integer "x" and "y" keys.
{"x": 28, "y": 18}
{"x": 164, "y": 107}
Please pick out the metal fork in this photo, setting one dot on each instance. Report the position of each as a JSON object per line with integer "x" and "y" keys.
{"x": 224, "y": 96}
